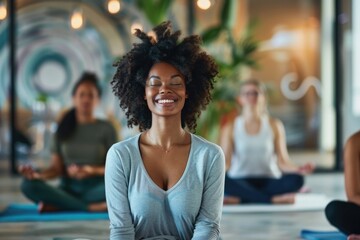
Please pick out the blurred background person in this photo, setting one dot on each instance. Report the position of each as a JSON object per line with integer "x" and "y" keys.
{"x": 78, "y": 156}
{"x": 257, "y": 160}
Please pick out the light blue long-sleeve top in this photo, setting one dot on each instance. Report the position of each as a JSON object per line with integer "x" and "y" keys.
{"x": 140, "y": 209}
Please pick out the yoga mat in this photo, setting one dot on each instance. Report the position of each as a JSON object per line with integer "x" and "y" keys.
{"x": 28, "y": 213}
{"x": 303, "y": 202}
{"x": 322, "y": 235}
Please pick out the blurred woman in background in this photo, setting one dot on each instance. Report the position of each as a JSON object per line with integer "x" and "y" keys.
{"x": 257, "y": 161}
{"x": 78, "y": 157}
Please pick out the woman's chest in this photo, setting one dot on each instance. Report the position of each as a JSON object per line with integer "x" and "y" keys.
{"x": 181, "y": 201}
{"x": 165, "y": 168}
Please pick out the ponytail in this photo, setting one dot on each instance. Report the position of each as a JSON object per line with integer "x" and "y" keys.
{"x": 66, "y": 126}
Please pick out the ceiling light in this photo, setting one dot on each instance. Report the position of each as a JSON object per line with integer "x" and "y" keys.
{"x": 113, "y": 6}
{"x": 77, "y": 19}
{"x": 203, "y": 4}
{"x": 3, "y": 11}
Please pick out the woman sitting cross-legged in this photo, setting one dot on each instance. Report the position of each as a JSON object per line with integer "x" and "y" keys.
{"x": 79, "y": 152}
{"x": 257, "y": 161}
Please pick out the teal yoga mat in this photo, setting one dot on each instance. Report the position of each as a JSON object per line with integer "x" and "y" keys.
{"x": 28, "y": 213}
{"x": 322, "y": 235}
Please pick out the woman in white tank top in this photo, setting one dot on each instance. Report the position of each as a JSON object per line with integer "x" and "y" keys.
{"x": 257, "y": 161}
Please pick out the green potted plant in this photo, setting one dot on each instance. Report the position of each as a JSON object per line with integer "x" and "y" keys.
{"x": 235, "y": 55}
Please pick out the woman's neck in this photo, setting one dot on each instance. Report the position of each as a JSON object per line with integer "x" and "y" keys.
{"x": 85, "y": 118}
{"x": 166, "y": 133}
{"x": 251, "y": 114}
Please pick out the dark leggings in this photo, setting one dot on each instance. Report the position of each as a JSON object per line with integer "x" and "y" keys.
{"x": 64, "y": 199}
{"x": 262, "y": 189}
{"x": 344, "y": 215}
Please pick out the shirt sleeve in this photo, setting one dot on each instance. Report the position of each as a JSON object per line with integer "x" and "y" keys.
{"x": 207, "y": 224}
{"x": 55, "y": 145}
{"x": 116, "y": 189}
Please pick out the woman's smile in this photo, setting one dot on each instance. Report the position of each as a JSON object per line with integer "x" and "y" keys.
{"x": 166, "y": 89}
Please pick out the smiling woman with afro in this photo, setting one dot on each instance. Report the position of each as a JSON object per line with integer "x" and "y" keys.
{"x": 198, "y": 68}
{"x": 165, "y": 182}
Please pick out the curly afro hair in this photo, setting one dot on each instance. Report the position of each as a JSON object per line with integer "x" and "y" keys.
{"x": 198, "y": 68}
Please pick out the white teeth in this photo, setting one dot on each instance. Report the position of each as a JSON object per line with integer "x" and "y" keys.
{"x": 165, "y": 101}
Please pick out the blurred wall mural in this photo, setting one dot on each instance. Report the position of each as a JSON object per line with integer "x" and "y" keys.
{"x": 56, "y": 42}
{"x": 276, "y": 41}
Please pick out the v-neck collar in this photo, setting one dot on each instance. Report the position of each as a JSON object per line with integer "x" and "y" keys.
{"x": 147, "y": 174}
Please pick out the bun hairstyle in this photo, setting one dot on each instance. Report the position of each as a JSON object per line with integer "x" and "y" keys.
{"x": 198, "y": 68}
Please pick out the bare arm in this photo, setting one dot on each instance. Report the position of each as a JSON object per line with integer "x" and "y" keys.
{"x": 226, "y": 143}
{"x": 282, "y": 153}
{"x": 352, "y": 168}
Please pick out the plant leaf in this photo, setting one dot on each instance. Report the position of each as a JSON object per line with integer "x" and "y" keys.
{"x": 155, "y": 11}
{"x": 211, "y": 34}
{"x": 228, "y": 14}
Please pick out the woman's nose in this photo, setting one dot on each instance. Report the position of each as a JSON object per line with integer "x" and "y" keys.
{"x": 164, "y": 89}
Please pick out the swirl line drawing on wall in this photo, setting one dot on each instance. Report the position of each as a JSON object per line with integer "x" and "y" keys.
{"x": 300, "y": 92}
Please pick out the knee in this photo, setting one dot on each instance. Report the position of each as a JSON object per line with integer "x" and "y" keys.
{"x": 29, "y": 186}
{"x": 332, "y": 211}
{"x": 298, "y": 181}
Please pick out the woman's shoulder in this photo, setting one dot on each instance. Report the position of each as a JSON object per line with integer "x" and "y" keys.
{"x": 204, "y": 144}
{"x": 208, "y": 154}
{"x": 230, "y": 125}
{"x": 355, "y": 136}
{"x": 275, "y": 123}
{"x": 354, "y": 139}
{"x": 130, "y": 144}
{"x": 272, "y": 120}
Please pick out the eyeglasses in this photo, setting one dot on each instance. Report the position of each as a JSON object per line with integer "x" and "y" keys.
{"x": 251, "y": 94}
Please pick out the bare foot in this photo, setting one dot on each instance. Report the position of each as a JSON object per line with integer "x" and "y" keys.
{"x": 288, "y": 198}
{"x": 353, "y": 237}
{"x": 97, "y": 207}
{"x": 44, "y": 208}
{"x": 231, "y": 200}
{"x": 304, "y": 189}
